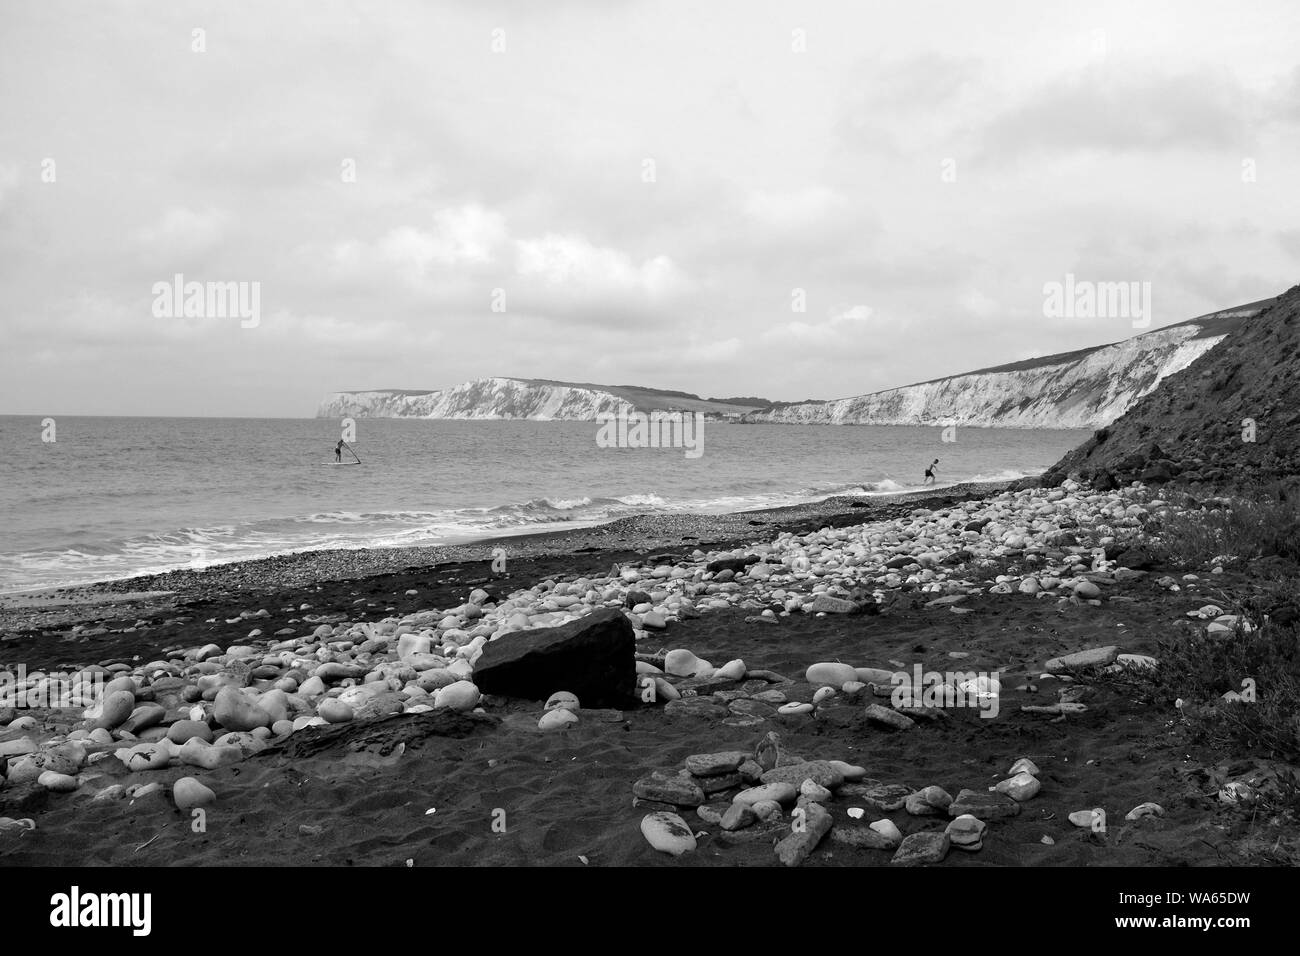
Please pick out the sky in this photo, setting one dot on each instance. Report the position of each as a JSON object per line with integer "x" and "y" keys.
{"x": 790, "y": 200}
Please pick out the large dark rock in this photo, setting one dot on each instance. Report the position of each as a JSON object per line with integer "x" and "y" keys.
{"x": 593, "y": 657}
{"x": 734, "y": 565}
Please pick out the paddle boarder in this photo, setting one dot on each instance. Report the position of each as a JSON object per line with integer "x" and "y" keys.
{"x": 338, "y": 452}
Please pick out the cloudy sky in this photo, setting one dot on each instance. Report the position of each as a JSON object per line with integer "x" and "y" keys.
{"x": 642, "y": 186}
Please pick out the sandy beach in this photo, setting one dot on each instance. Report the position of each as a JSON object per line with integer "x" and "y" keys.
{"x": 483, "y": 785}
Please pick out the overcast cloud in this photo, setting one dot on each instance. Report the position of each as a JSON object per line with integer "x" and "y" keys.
{"x": 788, "y": 146}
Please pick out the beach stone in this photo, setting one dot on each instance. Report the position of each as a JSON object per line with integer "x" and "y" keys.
{"x": 196, "y": 753}
{"x": 282, "y": 728}
{"x": 56, "y": 782}
{"x": 825, "y": 604}
{"x": 884, "y": 797}
{"x": 679, "y": 791}
{"x": 233, "y": 711}
{"x": 557, "y": 719}
{"x": 931, "y": 801}
{"x": 707, "y": 814}
{"x": 967, "y": 832}
{"x": 667, "y": 833}
{"x": 814, "y": 791}
{"x": 1021, "y": 787}
{"x": 682, "y": 663}
{"x": 188, "y": 793}
{"x": 867, "y": 836}
{"x": 732, "y": 670}
{"x": 562, "y": 699}
{"x": 874, "y": 675}
{"x": 183, "y": 730}
{"x": 922, "y": 848}
{"x": 108, "y": 794}
{"x": 1092, "y": 657}
{"x": 831, "y": 674}
{"x": 794, "y": 709}
{"x": 334, "y": 711}
{"x": 142, "y": 718}
{"x": 1024, "y": 765}
{"x": 887, "y": 717}
{"x": 720, "y": 782}
{"x": 750, "y": 770}
{"x": 594, "y": 657}
{"x": 708, "y": 765}
{"x": 116, "y": 707}
{"x": 1145, "y": 810}
{"x": 850, "y": 772}
{"x": 17, "y": 747}
{"x": 780, "y": 792}
{"x": 799, "y": 844}
{"x": 821, "y": 772}
{"x": 144, "y": 757}
{"x": 461, "y": 696}
{"x": 986, "y": 805}
{"x": 767, "y": 811}
{"x": 1087, "y": 818}
{"x": 738, "y": 816}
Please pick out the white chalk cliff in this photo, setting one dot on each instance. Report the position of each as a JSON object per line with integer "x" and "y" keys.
{"x": 1088, "y": 388}
{"x": 485, "y": 398}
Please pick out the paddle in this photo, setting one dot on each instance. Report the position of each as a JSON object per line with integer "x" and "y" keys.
{"x": 354, "y": 454}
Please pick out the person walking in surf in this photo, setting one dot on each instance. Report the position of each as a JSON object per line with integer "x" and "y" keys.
{"x": 929, "y": 473}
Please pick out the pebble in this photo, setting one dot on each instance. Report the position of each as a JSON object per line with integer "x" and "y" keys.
{"x": 966, "y": 832}
{"x": 462, "y": 696}
{"x": 1145, "y": 810}
{"x": 886, "y": 717}
{"x": 563, "y": 700}
{"x": 831, "y": 674}
{"x": 922, "y": 848}
{"x": 1087, "y": 818}
{"x": 777, "y": 792}
{"x": 114, "y": 709}
{"x": 57, "y": 782}
{"x": 233, "y": 711}
{"x": 334, "y": 711}
{"x": 557, "y": 719}
{"x": 667, "y": 833}
{"x": 708, "y": 765}
{"x": 1023, "y": 786}
{"x": 188, "y": 793}
{"x": 678, "y": 791}
{"x": 799, "y": 844}
{"x": 988, "y": 805}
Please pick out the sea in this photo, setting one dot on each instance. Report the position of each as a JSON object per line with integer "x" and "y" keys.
{"x": 86, "y": 499}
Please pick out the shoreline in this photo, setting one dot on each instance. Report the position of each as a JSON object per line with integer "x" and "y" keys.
{"x": 630, "y": 533}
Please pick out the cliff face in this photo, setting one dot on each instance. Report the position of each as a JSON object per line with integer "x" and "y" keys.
{"x": 1231, "y": 418}
{"x": 487, "y": 398}
{"x": 1084, "y": 389}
